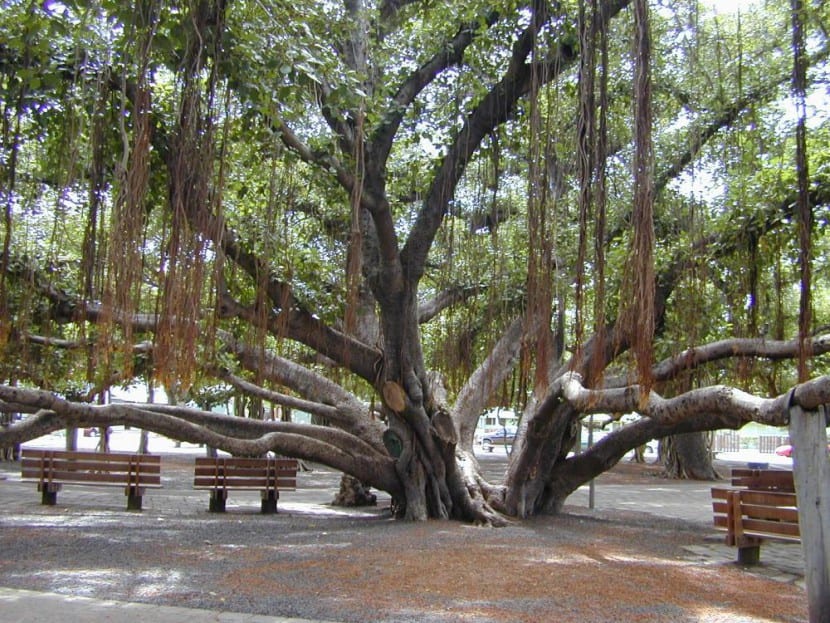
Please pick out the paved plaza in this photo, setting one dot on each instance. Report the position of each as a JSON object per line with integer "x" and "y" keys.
{"x": 689, "y": 502}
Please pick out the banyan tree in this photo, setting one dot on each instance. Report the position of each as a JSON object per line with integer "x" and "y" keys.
{"x": 394, "y": 215}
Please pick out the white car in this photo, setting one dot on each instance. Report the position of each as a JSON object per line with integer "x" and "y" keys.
{"x": 502, "y": 436}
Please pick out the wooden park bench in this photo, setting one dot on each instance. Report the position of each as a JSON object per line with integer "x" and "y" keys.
{"x": 267, "y": 475}
{"x": 54, "y": 468}
{"x": 761, "y": 504}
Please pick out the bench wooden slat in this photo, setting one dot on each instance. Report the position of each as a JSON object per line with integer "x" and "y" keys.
{"x": 768, "y": 498}
{"x": 719, "y": 492}
{"x": 248, "y": 482}
{"x": 245, "y": 472}
{"x": 33, "y": 466}
{"x": 92, "y": 462}
{"x": 242, "y": 461}
{"x": 762, "y": 528}
{"x": 772, "y": 513}
{"x": 103, "y": 478}
{"x": 111, "y": 457}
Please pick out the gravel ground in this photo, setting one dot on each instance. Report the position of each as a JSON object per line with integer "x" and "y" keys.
{"x": 319, "y": 564}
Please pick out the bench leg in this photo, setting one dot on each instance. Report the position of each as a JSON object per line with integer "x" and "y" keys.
{"x": 269, "y": 502}
{"x": 134, "y": 496}
{"x": 218, "y": 498}
{"x": 749, "y": 555}
{"x": 48, "y": 493}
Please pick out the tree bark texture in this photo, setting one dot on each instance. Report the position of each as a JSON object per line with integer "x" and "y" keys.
{"x": 688, "y": 456}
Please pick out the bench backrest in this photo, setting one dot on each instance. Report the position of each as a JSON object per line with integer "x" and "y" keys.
{"x": 763, "y": 479}
{"x": 245, "y": 473}
{"x": 117, "y": 468}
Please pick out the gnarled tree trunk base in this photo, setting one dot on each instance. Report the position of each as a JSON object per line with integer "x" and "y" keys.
{"x": 354, "y": 493}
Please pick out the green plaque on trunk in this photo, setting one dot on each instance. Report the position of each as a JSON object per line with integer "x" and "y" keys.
{"x": 393, "y": 443}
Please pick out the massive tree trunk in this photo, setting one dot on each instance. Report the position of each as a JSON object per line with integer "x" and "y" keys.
{"x": 424, "y": 453}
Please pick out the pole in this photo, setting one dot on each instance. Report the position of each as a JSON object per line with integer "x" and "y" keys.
{"x": 591, "y": 485}
{"x": 811, "y": 472}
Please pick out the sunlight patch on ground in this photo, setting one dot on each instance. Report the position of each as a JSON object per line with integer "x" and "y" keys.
{"x": 314, "y": 547}
{"x": 630, "y": 559}
{"x": 87, "y": 520}
{"x": 722, "y": 615}
{"x": 324, "y": 510}
{"x": 566, "y": 558}
{"x": 160, "y": 583}
{"x": 93, "y": 582}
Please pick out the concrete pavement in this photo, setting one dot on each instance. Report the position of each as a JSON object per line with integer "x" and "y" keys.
{"x": 21, "y": 606}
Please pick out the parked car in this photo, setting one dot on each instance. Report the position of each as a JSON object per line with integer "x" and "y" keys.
{"x": 503, "y": 436}
{"x": 787, "y": 450}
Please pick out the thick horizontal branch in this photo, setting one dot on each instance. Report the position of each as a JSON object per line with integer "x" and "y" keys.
{"x": 308, "y": 329}
{"x": 428, "y": 310}
{"x": 351, "y": 414}
{"x": 733, "y": 403}
{"x": 762, "y": 348}
{"x": 301, "y": 325}
{"x": 251, "y": 389}
{"x": 707, "y": 409}
{"x": 53, "y": 342}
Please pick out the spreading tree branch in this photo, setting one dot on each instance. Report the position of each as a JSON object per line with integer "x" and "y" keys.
{"x": 251, "y": 389}
{"x": 483, "y": 382}
{"x": 773, "y": 350}
{"x": 428, "y": 310}
{"x": 711, "y": 408}
{"x": 735, "y": 405}
{"x": 496, "y": 107}
{"x": 450, "y": 53}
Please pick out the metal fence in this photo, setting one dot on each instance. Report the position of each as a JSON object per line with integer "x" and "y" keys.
{"x": 730, "y": 441}
{"x": 727, "y": 441}
{"x": 768, "y": 443}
